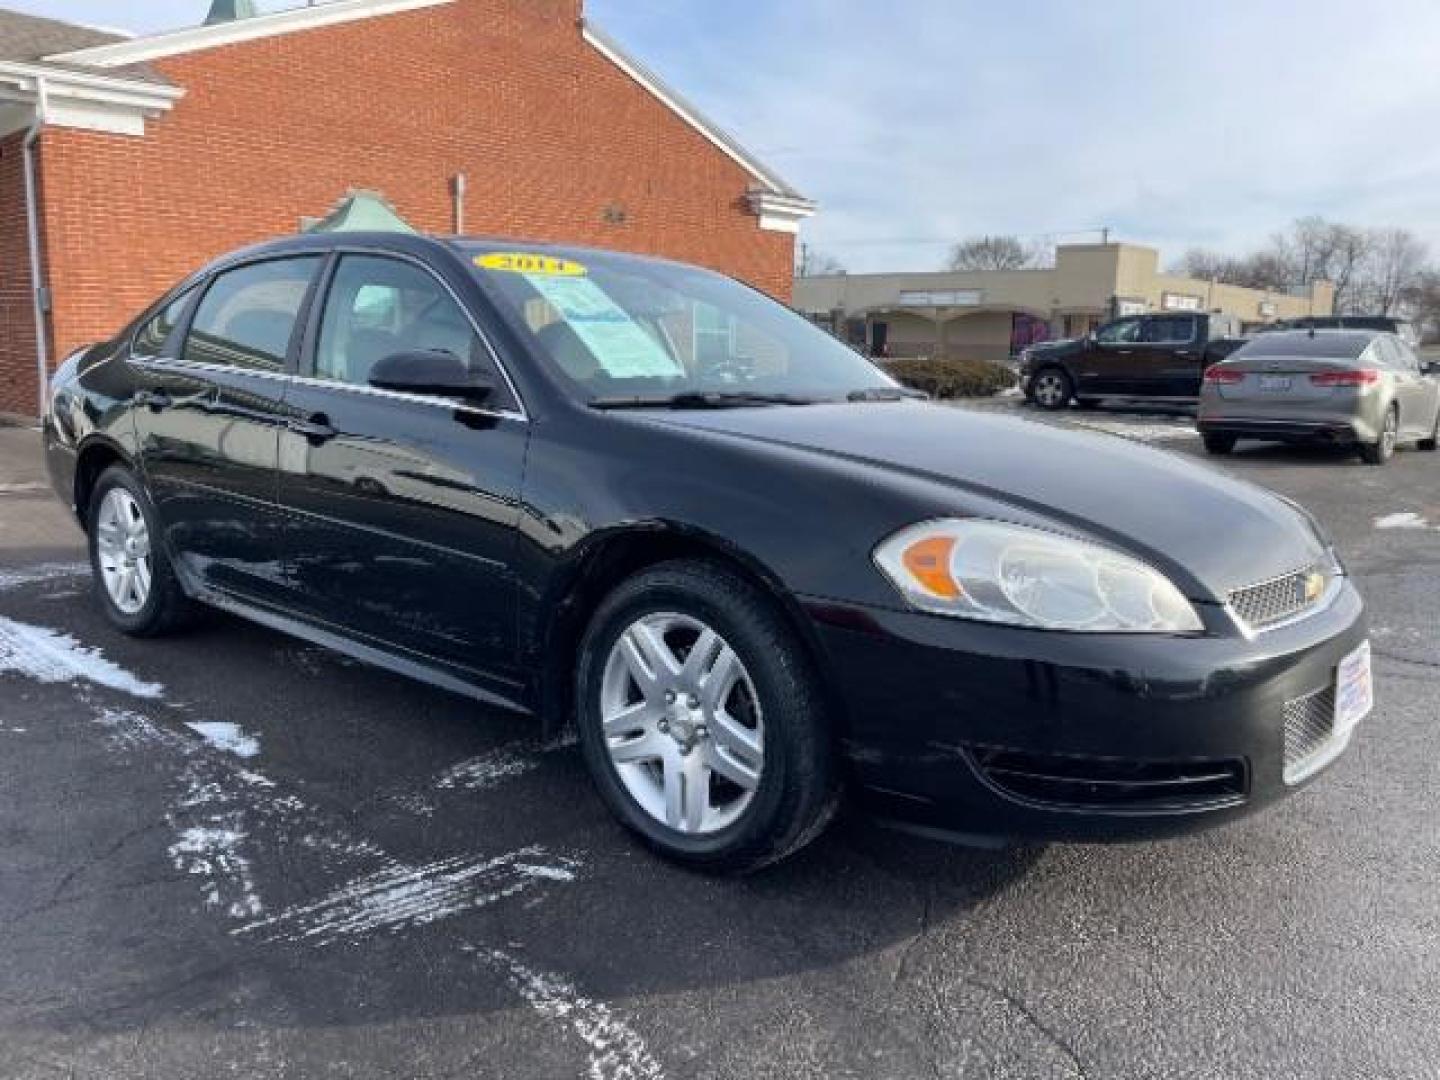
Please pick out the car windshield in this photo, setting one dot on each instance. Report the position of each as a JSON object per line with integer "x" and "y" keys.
{"x": 622, "y": 329}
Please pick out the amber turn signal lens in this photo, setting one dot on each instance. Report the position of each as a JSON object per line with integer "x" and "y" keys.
{"x": 928, "y": 561}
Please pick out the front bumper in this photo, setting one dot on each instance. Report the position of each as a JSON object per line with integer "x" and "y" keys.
{"x": 1015, "y": 735}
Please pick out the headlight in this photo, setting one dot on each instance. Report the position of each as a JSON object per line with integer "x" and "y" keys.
{"x": 1021, "y": 576}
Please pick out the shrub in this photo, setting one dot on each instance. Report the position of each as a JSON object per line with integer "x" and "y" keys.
{"x": 952, "y": 378}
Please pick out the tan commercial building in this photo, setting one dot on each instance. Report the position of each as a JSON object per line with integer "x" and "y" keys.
{"x": 993, "y": 314}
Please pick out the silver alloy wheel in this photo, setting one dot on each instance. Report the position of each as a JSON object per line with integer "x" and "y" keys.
{"x": 1050, "y": 389}
{"x": 682, "y": 723}
{"x": 122, "y": 541}
{"x": 1390, "y": 433}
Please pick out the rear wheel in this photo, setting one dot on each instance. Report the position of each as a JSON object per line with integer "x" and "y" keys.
{"x": 1383, "y": 448}
{"x": 133, "y": 577}
{"x": 1051, "y": 388}
{"x": 1218, "y": 444}
{"x": 701, "y": 720}
{"x": 1433, "y": 442}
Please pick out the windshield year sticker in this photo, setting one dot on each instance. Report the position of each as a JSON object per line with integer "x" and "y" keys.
{"x": 528, "y": 263}
{"x": 620, "y": 345}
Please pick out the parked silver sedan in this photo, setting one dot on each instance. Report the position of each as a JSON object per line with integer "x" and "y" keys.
{"x": 1360, "y": 388}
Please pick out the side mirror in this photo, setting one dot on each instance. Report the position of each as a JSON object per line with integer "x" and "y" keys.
{"x": 436, "y": 372}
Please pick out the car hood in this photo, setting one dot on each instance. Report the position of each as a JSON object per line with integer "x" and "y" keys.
{"x": 1211, "y": 532}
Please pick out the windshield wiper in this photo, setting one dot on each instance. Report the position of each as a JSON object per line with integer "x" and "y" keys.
{"x": 887, "y": 393}
{"x": 699, "y": 399}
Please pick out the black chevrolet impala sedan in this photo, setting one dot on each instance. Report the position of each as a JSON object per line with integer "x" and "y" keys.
{"x": 753, "y": 572}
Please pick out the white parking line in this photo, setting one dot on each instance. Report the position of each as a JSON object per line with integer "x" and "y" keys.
{"x": 403, "y": 897}
{"x": 617, "y": 1052}
{"x": 489, "y": 769}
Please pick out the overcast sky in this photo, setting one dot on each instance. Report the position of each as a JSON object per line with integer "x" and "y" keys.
{"x": 916, "y": 122}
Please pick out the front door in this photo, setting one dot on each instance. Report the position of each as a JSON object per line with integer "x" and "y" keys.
{"x": 402, "y": 508}
{"x": 212, "y": 389}
{"x": 1109, "y": 364}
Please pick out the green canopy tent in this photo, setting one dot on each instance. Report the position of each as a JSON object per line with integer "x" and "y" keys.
{"x": 362, "y": 212}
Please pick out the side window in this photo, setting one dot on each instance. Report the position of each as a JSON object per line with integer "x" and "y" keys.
{"x": 1168, "y": 330}
{"x": 150, "y": 339}
{"x": 378, "y": 307}
{"x": 1125, "y": 330}
{"x": 247, "y": 316}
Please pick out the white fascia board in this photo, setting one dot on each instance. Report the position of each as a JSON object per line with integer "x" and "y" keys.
{"x": 82, "y": 100}
{"x": 683, "y": 109}
{"x": 196, "y": 38}
{"x": 780, "y": 213}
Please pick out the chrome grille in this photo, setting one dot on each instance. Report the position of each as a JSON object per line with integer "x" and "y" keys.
{"x": 1281, "y": 598}
{"x": 1309, "y": 731}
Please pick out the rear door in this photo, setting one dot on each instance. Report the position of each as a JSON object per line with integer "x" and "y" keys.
{"x": 403, "y": 508}
{"x": 1169, "y": 356}
{"x": 210, "y": 411}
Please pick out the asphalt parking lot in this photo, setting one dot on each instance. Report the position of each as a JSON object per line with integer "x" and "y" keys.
{"x": 232, "y": 854}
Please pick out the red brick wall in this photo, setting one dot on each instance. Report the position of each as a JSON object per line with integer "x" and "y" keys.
{"x": 548, "y": 132}
{"x": 17, "y": 319}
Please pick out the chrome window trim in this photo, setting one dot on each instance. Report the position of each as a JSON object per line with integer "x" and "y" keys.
{"x": 179, "y": 363}
{"x": 450, "y": 404}
{"x": 379, "y": 253}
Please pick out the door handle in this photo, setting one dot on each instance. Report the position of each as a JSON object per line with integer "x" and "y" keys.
{"x": 154, "y": 400}
{"x": 1123, "y": 352}
{"x": 1183, "y": 352}
{"x": 315, "y": 428}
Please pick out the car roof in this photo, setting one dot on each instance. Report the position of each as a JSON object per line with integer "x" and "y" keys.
{"x": 465, "y": 247}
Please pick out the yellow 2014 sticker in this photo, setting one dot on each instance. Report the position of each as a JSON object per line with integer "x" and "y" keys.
{"x": 524, "y": 262}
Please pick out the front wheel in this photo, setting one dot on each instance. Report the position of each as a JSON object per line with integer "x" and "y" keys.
{"x": 1051, "y": 389}
{"x": 1383, "y": 448}
{"x": 701, "y": 719}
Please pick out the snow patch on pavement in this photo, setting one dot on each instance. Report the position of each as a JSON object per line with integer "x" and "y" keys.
{"x": 49, "y": 656}
{"x": 14, "y": 577}
{"x": 617, "y": 1052}
{"x": 227, "y": 737}
{"x": 1403, "y": 520}
{"x": 488, "y": 769}
{"x": 214, "y": 852}
{"x": 403, "y": 897}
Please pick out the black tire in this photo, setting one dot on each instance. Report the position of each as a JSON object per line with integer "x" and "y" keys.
{"x": 166, "y": 609}
{"x": 799, "y": 787}
{"x": 1433, "y": 442}
{"x": 1218, "y": 444}
{"x": 1042, "y": 394}
{"x": 1383, "y": 449}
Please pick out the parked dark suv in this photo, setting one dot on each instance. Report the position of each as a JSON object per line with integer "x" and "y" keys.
{"x": 1160, "y": 356}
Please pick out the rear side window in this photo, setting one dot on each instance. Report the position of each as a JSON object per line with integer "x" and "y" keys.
{"x": 150, "y": 339}
{"x": 1168, "y": 330}
{"x": 248, "y": 315}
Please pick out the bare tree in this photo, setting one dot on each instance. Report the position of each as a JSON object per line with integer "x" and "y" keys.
{"x": 812, "y": 263}
{"x": 993, "y": 253}
{"x": 1396, "y": 259}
